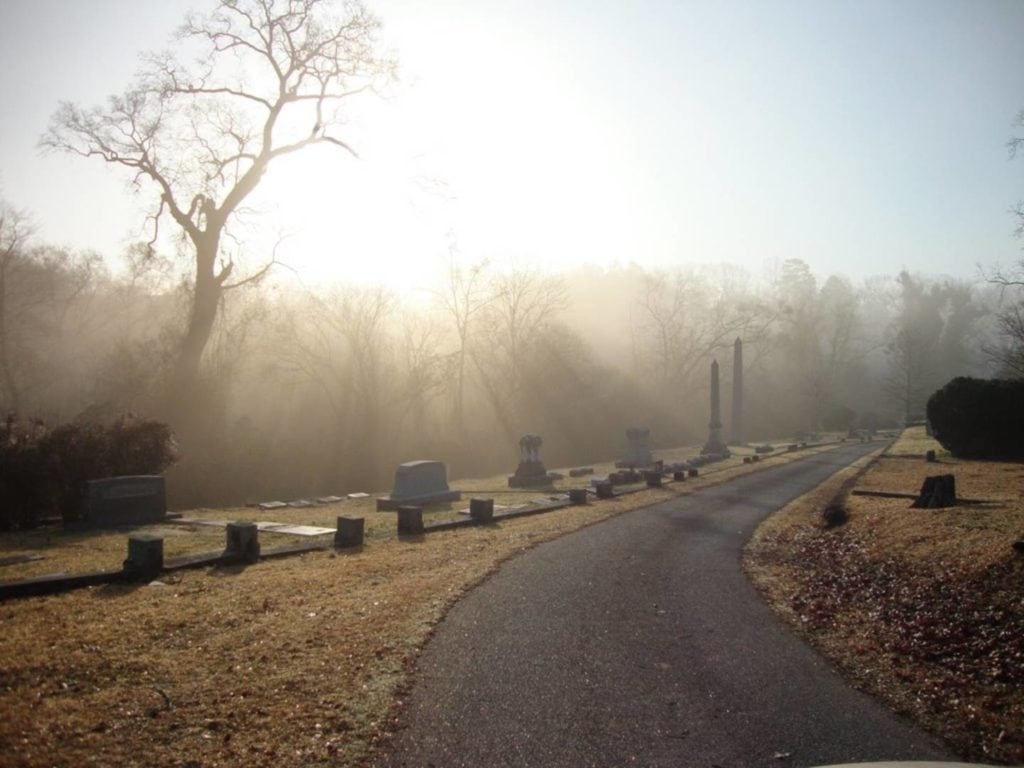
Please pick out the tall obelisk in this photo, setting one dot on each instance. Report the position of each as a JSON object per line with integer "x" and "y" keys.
{"x": 736, "y": 436}
{"x": 714, "y": 443}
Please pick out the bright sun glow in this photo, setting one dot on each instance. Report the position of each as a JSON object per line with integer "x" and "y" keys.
{"x": 505, "y": 158}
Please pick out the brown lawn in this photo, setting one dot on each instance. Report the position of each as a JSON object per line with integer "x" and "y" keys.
{"x": 924, "y": 608}
{"x": 291, "y": 662}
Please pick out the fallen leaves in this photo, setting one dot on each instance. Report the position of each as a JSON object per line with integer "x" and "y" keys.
{"x": 925, "y": 609}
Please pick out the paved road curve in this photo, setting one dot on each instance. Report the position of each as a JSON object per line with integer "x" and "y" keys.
{"x": 639, "y": 641}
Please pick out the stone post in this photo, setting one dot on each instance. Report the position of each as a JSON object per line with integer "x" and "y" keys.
{"x": 481, "y": 510}
{"x": 243, "y": 542}
{"x": 410, "y": 520}
{"x": 145, "y": 557}
{"x": 737, "y": 437}
{"x": 349, "y": 532}
{"x": 714, "y": 445}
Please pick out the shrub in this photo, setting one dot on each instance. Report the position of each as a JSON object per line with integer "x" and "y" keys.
{"x": 44, "y": 473}
{"x": 979, "y": 418}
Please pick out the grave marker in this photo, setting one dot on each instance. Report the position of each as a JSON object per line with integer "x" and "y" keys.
{"x": 419, "y": 482}
{"x": 145, "y": 557}
{"x": 129, "y": 500}
{"x": 349, "y": 532}
{"x": 531, "y": 472}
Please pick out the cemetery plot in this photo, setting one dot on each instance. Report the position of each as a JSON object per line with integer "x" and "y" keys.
{"x": 265, "y": 653}
{"x": 920, "y": 606}
{"x": 202, "y": 530}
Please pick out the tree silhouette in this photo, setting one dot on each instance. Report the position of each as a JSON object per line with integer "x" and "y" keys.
{"x": 269, "y": 78}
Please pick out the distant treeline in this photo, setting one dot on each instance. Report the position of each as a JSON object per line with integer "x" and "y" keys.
{"x": 323, "y": 391}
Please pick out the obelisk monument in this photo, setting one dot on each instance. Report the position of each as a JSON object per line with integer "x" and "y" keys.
{"x": 714, "y": 443}
{"x": 736, "y": 436}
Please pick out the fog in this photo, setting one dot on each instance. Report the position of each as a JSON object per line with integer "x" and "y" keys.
{"x": 263, "y": 309}
{"x": 323, "y": 390}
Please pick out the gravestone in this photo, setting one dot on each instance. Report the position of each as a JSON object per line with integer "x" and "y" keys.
{"x": 604, "y": 490}
{"x": 937, "y": 491}
{"x": 481, "y": 510}
{"x": 243, "y": 542}
{"x": 653, "y": 479}
{"x": 638, "y": 451}
{"x": 419, "y": 482}
{"x": 349, "y": 532}
{"x": 578, "y": 496}
{"x": 129, "y": 500}
{"x": 581, "y": 472}
{"x": 410, "y": 520}
{"x": 145, "y": 557}
{"x": 530, "y": 472}
{"x": 715, "y": 445}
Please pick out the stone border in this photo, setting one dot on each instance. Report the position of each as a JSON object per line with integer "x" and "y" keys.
{"x": 242, "y": 546}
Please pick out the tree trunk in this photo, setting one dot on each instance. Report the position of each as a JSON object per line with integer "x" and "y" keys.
{"x": 205, "y": 301}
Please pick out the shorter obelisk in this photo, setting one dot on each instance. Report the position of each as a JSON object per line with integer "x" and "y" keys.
{"x": 714, "y": 445}
{"x": 736, "y": 436}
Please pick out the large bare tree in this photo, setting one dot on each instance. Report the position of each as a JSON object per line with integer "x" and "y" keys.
{"x": 264, "y": 79}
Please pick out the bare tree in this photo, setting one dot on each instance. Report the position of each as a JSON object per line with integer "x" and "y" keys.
{"x": 463, "y": 296}
{"x": 14, "y": 234}
{"x": 270, "y": 79}
{"x": 684, "y": 317}
{"x": 522, "y": 305}
{"x": 43, "y": 293}
{"x": 1008, "y": 353}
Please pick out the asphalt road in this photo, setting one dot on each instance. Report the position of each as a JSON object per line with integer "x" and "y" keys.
{"x": 640, "y": 641}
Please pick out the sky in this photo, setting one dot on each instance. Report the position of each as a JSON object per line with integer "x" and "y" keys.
{"x": 862, "y": 137}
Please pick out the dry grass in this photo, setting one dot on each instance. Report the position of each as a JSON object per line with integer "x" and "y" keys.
{"x": 300, "y": 661}
{"x": 924, "y": 608}
{"x": 914, "y": 441}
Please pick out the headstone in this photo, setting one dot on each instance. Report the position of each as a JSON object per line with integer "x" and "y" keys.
{"x": 764, "y": 448}
{"x": 937, "y": 491}
{"x": 578, "y": 495}
{"x": 243, "y": 542}
{"x": 736, "y": 436}
{"x": 581, "y": 472}
{"x": 349, "y": 532}
{"x": 679, "y": 475}
{"x": 638, "y": 451}
{"x": 130, "y": 500}
{"x": 419, "y": 482}
{"x": 481, "y": 510}
{"x": 530, "y": 472}
{"x": 604, "y": 491}
{"x": 746, "y": 460}
{"x": 693, "y": 472}
{"x": 715, "y": 445}
{"x": 929, "y": 456}
{"x": 145, "y": 557}
{"x": 410, "y": 520}
{"x": 653, "y": 479}
{"x": 328, "y": 499}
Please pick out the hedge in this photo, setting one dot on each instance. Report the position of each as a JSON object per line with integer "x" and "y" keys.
{"x": 979, "y": 418}
{"x": 43, "y": 472}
